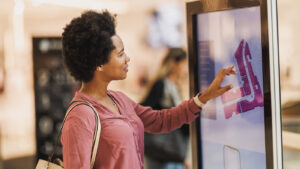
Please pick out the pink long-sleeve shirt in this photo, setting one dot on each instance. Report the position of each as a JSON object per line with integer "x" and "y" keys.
{"x": 121, "y": 143}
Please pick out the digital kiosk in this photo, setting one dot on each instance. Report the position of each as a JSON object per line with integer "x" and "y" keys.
{"x": 242, "y": 128}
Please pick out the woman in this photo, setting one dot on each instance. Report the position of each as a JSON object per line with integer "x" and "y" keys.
{"x": 94, "y": 54}
{"x": 167, "y": 150}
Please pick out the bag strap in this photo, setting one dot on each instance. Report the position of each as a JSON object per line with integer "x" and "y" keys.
{"x": 96, "y": 132}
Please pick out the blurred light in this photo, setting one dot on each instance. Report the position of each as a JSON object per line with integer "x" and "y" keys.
{"x": 165, "y": 26}
{"x": 18, "y": 29}
{"x": 19, "y": 7}
{"x": 36, "y": 4}
{"x": 115, "y": 6}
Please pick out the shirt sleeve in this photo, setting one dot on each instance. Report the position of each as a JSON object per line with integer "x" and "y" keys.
{"x": 77, "y": 138}
{"x": 166, "y": 120}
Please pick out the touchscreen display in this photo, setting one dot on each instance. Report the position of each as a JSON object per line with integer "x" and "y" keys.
{"x": 232, "y": 127}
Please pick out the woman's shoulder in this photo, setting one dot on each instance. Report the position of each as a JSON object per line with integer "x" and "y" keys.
{"x": 120, "y": 96}
{"x": 160, "y": 81}
{"x": 81, "y": 118}
{"x": 117, "y": 93}
{"x": 158, "y": 85}
{"x": 80, "y": 112}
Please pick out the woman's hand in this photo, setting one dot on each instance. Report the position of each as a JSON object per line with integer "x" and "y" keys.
{"x": 214, "y": 90}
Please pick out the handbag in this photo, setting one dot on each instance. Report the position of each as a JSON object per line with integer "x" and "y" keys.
{"x": 166, "y": 147}
{"x": 58, "y": 164}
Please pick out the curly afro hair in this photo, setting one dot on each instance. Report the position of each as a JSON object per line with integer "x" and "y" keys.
{"x": 87, "y": 43}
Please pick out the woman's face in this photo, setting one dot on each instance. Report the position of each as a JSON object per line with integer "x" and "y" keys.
{"x": 181, "y": 69}
{"x": 117, "y": 66}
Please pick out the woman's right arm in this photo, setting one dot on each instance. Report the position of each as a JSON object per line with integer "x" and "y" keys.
{"x": 77, "y": 138}
{"x": 166, "y": 120}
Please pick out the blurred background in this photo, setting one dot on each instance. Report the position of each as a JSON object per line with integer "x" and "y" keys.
{"x": 35, "y": 89}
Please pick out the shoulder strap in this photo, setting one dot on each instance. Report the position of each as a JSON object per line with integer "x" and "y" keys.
{"x": 96, "y": 132}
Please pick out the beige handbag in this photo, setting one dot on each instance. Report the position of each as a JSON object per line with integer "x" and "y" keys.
{"x": 57, "y": 164}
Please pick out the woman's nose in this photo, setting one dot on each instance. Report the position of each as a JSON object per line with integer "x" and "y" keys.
{"x": 127, "y": 58}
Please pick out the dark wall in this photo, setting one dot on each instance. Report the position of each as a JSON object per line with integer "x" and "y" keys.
{"x": 54, "y": 89}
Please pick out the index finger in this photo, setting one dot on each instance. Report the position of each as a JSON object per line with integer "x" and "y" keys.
{"x": 230, "y": 70}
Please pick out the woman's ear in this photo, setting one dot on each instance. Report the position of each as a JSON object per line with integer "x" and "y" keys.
{"x": 100, "y": 68}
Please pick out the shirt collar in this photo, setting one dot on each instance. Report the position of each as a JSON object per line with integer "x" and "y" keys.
{"x": 90, "y": 99}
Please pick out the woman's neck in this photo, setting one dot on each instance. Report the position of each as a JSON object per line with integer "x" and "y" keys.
{"x": 172, "y": 77}
{"x": 96, "y": 89}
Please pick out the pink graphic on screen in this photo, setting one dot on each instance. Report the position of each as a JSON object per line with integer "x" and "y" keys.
{"x": 249, "y": 81}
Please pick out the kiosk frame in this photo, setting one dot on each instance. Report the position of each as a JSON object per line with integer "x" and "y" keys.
{"x": 271, "y": 81}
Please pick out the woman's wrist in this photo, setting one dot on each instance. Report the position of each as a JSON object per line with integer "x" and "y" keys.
{"x": 203, "y": 97}
{"x": 197, "y": 101}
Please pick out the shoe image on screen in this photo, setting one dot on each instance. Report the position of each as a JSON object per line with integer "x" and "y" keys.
{"x": 232, "y": 158}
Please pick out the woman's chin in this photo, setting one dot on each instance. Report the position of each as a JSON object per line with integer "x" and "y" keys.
{"x": 123, "y": 77}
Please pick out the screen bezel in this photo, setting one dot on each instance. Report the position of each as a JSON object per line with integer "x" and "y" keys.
{"x": 205, "y": 6}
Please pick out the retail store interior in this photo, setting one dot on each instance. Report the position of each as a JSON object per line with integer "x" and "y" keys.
{"x": 32, "y": 72}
